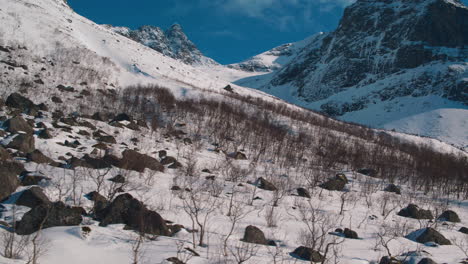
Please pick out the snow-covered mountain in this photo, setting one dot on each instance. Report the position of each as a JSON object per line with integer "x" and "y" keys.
{"x": 173, "y": 43}
{"x": 112, "y": 152}
{"x": 391, "y": 64}
{"x": 276, "y": 58}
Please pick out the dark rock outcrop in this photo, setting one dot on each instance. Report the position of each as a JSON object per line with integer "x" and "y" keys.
{"x": 118, "y": 179}
{"x": 464, "y": 230}
{"x": 100, "y": 202}
{"x": 334, "y": 184}
{"x": 133, "y": 160}
{"x": 427, "y": 261}
{"x": 37, "y": 157}
{"x": 429, "y": 234}
{"x": 449, "y": 216}
{"x": 309, "y": 254}
{"x": 32, "y": 197}
{"x": 49, "y": 215}
{"x": 265, "y": 185}
{"x": 127, "y": 210}
{"x": 254, "y": 235}
{"x": 389, "y": 260}
{"x": 348, "y": 233}
{"x": 9, "y": 178}
{"x": 16, "y": 100}
{"x": 22, "y": 142}
{"x": 28, "y": 179}
{"x": 17, "y": 124}
{"x": 303, "y": 192}
{"x": 393, "y": 189}
{"x": 413, "y": 211}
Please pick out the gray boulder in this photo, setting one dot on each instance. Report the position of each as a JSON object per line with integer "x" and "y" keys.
{"x": 429, "y": 234}
{"x": 413, "y": 211}
{"x": 127, "y": 210}
{"x": 254, "y": 235}
{"x": 133, "y": 160}
{"x": 9, "y": 177}
{"x": 265, "y": 185}
{"x": 449, "y": 216}
{"x": 16, "y": 100}
{"x": 22, "y": 142}
{"x": 49, "y": 215}
{"x": 309, "y": 254}
{"x": 37, "y": 157}
{"x": 18, "y": 124}
{"x": 32, "y": 197}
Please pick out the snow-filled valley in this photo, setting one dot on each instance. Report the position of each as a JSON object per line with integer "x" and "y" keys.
{"x": 112, "y": 152}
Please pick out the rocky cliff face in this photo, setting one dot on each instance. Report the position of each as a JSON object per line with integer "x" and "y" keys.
{"x": 172, "y": 42}
{"x": 385, "y": 49}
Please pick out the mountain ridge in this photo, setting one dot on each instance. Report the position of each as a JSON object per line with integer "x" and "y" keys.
{"x": 172, "y": 42}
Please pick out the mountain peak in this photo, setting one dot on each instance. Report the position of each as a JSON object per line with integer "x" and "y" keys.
{"x": 172, "y": 42}
{"x": 176, "y": 27}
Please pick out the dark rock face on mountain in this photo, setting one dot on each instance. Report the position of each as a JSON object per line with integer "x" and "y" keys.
{"x": 172, "y": 43}
{"x": 386, "y": 49}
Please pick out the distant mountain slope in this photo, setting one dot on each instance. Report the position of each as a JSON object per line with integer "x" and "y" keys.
{"x": 172, "y": 42}
{"x": 275, "y": 58}
{"x": 59, "y": 47}
{"x": 387, "y": 61}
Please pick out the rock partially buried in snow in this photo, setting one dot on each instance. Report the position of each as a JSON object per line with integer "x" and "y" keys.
{"x": 334, "y": 184}
{"x": 464, "y": 230}
{"x": 303, "y": 192}
{"x": 393, "y": 189}
{"x": 49, "y": 215}
{"x": 308, "y": 254}
{"x": 17, "y": 124}
{"x": 413, "y": 211}
{"x": 22, "y": 142}
{"x": 254, "y": 235}
{"x": 265, "y": 185}
{"x": 133, "y": 160}
{"x": 427, "y": 235}
{"x": 348, "y": 233}
{"x": 127, "y": 210}
{"x": 449, "y": 216}
{"x": 427, "y": 261}
{"x": 32, "y": 197}
{"x": 389, "y": 260}
{"x": 16, "y": 100}
{"x": 28, "y": 178}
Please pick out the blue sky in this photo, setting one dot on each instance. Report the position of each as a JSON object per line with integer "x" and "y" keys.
{"x": 226, "y": 30}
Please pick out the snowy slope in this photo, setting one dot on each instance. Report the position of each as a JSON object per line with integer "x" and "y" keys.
{"x": 276, "y": 58}
{"x": 52, "y": 31}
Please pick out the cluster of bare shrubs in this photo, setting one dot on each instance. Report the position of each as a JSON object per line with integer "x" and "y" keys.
{"x": 292, "y": 137}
